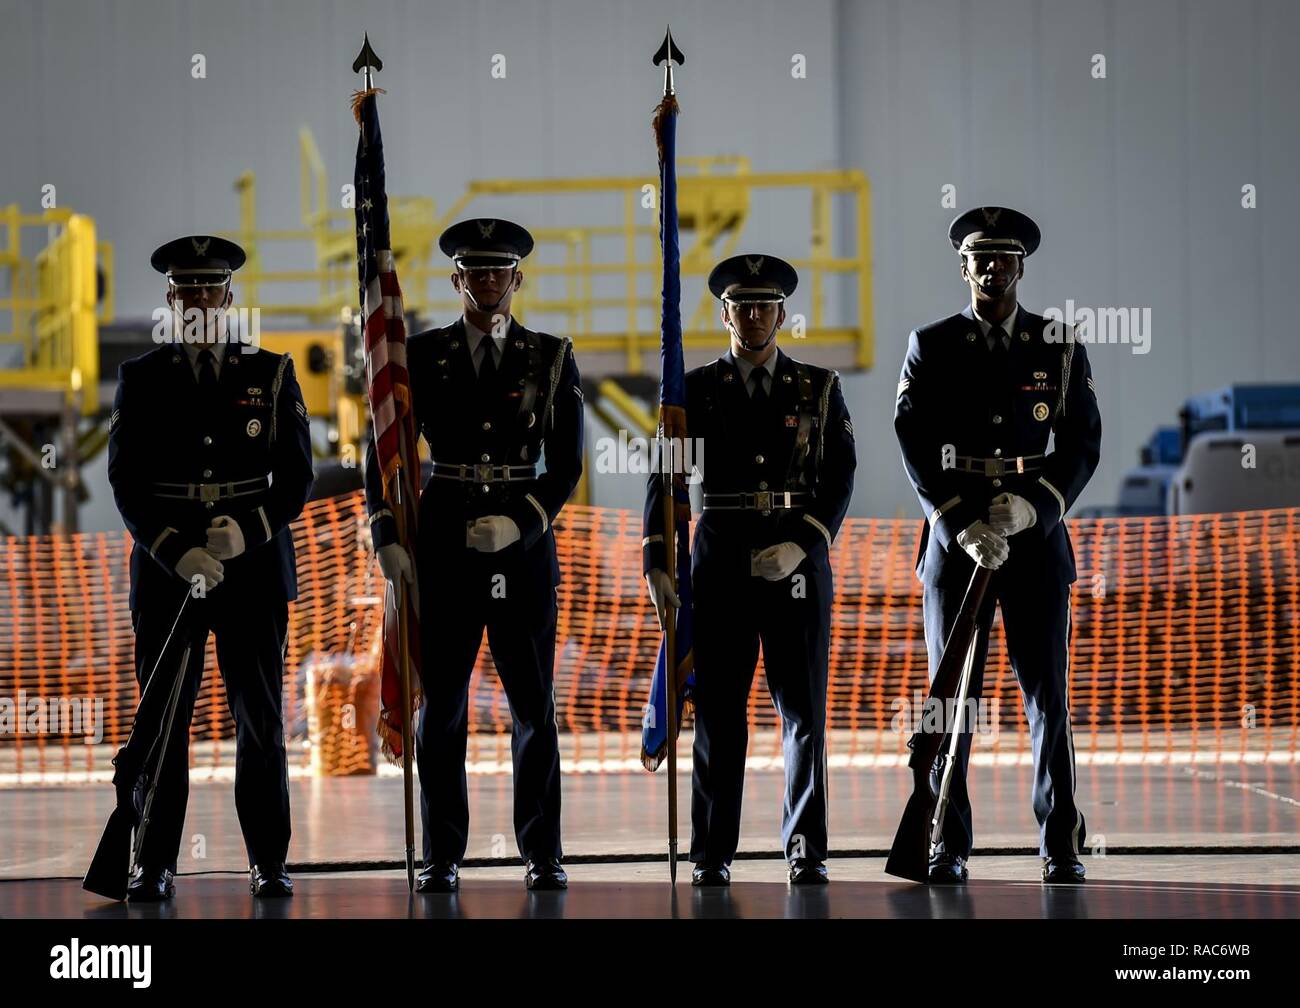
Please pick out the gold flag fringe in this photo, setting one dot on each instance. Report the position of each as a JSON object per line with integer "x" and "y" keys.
{"x": 668, "y": 104}
{"x": 652, "y": 761}
{"x": 389, "y": 737}
{"x": 359, "y": 96}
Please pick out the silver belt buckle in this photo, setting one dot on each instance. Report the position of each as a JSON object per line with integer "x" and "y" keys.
{"x": 209, "y": 492}
{"x": 993, "y": 467}
{"x": 483, "y": 472}
{"x": 763, "y": 500}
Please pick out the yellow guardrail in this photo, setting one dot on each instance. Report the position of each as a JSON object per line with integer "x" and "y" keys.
{"x": 611, "y": 391}
{"x": 53, "y": 306}
{"x": 597, "y": 281}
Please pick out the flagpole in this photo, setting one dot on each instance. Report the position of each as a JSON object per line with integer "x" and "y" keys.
{"x": 404, "y": 663}
{"x": 667, "y": 53}
{"x": 366, "y": 62}
{"x": 670, "y": 654}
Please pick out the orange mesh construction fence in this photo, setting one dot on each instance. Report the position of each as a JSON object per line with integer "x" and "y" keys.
{"x": 1185, "y": 644}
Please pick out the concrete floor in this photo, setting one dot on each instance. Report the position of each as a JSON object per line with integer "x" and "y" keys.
{"x": 1183, "y": 887}
{"x": 52, "y": 831}
{"x": 1145, "y": 823}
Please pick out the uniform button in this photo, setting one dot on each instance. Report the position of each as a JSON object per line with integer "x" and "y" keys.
{"x": 996, "y": 418}
{"x": 207, "y": 440}
{"x": 208, "y": 505}
{"x": 485, "y": 457}
{"x": 997, "y": 482}
{"x": 758, "y": 459}
{"x": 487, "y": 424}
{"x": 486, "y": 488}
{"x": 997, "y": 451}
{"x": 762, "y": 486}
{"x": 207, "y": 473}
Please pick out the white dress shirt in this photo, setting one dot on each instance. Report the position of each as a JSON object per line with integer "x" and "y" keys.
{"x": 1008, "y": 328}
{"x": 192, "y": 351}
{"x": 475, "y": 336}
{"x": 746, "y": 369}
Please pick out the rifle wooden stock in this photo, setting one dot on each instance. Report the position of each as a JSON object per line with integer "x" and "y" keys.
{"x": 909, "y": 857}
{"x": 111, "y": 866}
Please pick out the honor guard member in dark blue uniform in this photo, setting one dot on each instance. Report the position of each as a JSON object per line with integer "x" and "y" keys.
{"x": 491, "y": 398}
{"x": 209, "y": 457}
{"x": 777, "y": 465}
{"x": 1000, "y": 432}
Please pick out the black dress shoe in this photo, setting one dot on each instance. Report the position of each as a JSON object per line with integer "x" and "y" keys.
{"x": 808, "y": 872}
{"x": 438, "y": 876}
{"x": 1066, "y": 870}
{"x": 150, "y": 885}
{"x": 546, "y": 874}
{"x": 269, "y": 881}
{"x": 947, "y": 869}
{"x": 708, "y": 877}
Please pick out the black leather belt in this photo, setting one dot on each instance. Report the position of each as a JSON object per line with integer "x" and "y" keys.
{"x": 484, "y": 472}
{"x": 761, "y": 500}
{"x": 208, "y": 492}
{"x": 999, "y": 466}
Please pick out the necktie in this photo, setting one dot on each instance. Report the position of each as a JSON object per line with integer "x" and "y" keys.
{"x": 487, "y": 368}
{"x": 759, "y": 396}
{"x": 207, "y": 372}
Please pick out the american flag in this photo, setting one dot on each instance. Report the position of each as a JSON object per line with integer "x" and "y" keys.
{"x": 389, "y": 389}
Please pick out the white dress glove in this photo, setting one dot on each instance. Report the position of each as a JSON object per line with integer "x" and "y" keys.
{"x": 225, "y": 538}
{"x": 1009, "y": 514}
{"x": 491, "y": 533}
{"x": 986, "y": 547}
{"x": 395, "y": 562}
{"x": 198, "y": 562}
{"x": 661, "y": 593}
{"x": 776, "y": 563}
